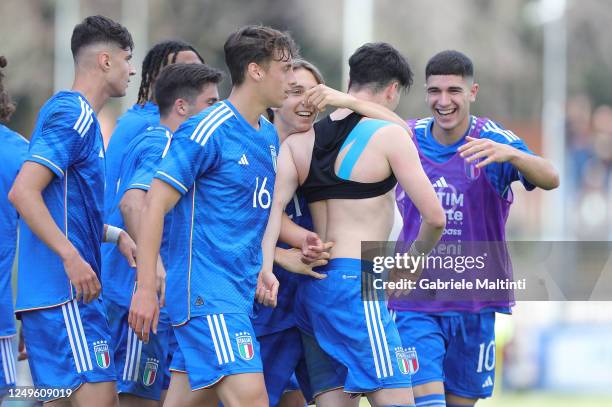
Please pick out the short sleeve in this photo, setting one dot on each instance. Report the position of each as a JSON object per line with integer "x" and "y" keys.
{"x": 146, "y": 159}
{"x": 60, "y": 140}
{"x": 187, "y": 159}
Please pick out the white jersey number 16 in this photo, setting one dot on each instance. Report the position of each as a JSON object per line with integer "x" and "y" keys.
{"x": 261, "y": 196}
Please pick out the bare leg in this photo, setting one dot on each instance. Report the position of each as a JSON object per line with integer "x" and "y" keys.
{"x": 292, "y": 398}
{"x": 130, "y": 400}
{"x": 336, "y": 398}
{"x": 386, "y": 397}
{"x": 103, "y": 394}
{"x": 243, "y": 390}
{"x": 180, "y": 395}
{"x": 459, "y": 401}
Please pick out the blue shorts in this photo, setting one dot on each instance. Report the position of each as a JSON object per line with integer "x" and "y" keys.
{"x": 282, "y": 356}
{"x": 172, "y": 347}
{"x": 360, "y": 338}
{"x": 140, "y": 366}
{"x": 214, "y": 346}
{"x": 457, "y": 350}
{"x": 69, "y": 345}
{"x": 8, "y": 373}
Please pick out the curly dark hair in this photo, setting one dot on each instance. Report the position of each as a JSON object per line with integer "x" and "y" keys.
{"x": 7, "y": 107}
{"x": 162, "y": 54}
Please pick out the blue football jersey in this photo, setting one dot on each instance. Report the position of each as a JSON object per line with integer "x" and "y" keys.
{"x": 224, "y": 170}
{"x": 129, "y": 125}
{"x": 142, "y": 157}
{"x": 67, "y": 140}
{"x": 267, "y": 320}
{"x": 13, "y": 152}
{"x": 501, "y": 175}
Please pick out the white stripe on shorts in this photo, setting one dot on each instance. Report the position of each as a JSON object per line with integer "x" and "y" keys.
{"x": 229, "y": 344}
{"x": 214, "y": 339}
{"x": 220, "y": 338}
{"x": 127, "y": 354}
{"x": 74, "y": 338}
{"x": 8, "y": 364}
{"x": 82, "y": 333}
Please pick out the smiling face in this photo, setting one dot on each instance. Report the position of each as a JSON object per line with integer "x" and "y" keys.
{"x": 296, "y": 117}
{"x": 449, "y": 98}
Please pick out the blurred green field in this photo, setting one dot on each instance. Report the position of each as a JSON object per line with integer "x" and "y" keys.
{"x": 537, "y": 400}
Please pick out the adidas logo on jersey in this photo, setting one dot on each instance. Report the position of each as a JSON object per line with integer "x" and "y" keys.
{"x": 199, "y": 302}
{"x": 440, "y": 183}
{"x": 243, "y": 160}
{"x": 488, "y": 382}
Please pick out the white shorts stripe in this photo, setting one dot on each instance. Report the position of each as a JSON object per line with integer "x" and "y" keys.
{"x": 214, "y": 339}
{"x": 220, "y": 337}
{"x": 383, "y": 335}
{"x": 11, "y": 360}
{"x": 369, "y": 325}
{"x": 135, "y": 341}
{"x": 205, "y": 120}
{"x": 78, "y": 122}
{"x": 211, "y": 120}
{"x": 71, "y": 339}
{"x": 77, "y": 338}
{"x": 229, "y": 344}
{"x": 5, "y": 361}
{"x": 213, "y": 128}
{"x": 127, "y": 353}
{"x": 82, "y": 332}
{"x": 376, "y": 327}
{"x": 137, "y": 369}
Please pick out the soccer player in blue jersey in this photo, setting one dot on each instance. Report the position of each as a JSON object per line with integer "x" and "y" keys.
{"x": 358, "y": 347}
{"x": 276, "y": 329}
{"x": 144, "y": 112}
{"x": 218, "y": 176}
{"x": 59, "y": 193}
{"x": 181, "y": 90}
{"x": 12, "y": 154}
{"x": 474, "y": 160}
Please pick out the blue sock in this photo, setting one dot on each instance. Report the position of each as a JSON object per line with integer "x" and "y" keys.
{"x": 431, "y": 400}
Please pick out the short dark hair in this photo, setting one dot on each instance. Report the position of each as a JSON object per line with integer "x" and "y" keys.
{"x": 183, "y": 81}
{"x": 449, "y": 63}
{"x": 259, "y": 44}
{"x": 157, "y": 58}
{"x": 7, "y": 107}
{"x": 377, "y": 64}
{"x": 95, "y": 29}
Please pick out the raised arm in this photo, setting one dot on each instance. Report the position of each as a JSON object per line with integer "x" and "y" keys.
{"x": 405, "y": 164}
{"x": 322, "y": 96}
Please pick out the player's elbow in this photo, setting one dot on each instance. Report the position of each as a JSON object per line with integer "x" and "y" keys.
{"x": 436, "y": 219}
{"x": 129, "y": 207}
{"x": 553, "y": 181}
{"x": 15, "y": 195}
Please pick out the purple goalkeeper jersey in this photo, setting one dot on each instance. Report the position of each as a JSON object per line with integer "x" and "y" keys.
{"x": 476, "y": 215}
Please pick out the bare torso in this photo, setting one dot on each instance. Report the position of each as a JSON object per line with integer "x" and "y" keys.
{"x": 348, "y": 222}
